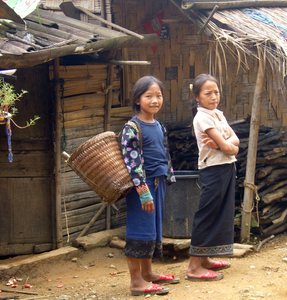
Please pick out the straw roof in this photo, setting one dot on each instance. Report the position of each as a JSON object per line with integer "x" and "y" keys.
{"x": 234, "y": 31}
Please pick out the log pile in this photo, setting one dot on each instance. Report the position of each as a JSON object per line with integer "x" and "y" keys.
{"x": 270, "y": 175}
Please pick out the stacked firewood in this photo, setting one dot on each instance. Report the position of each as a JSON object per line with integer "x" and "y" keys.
{"x": 270, "y": 212}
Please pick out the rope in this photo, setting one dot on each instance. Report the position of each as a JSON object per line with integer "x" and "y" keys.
{"x": 9, "y": 134}
{"x": 63, "y": 137}
{"x": 66, "y": 217}
{"x": 253, "y": 187}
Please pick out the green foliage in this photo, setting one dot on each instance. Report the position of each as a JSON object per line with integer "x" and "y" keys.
{"x": 8, "y": 97}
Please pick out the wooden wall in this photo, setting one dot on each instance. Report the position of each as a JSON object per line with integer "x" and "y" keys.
{"x": 27, "y": 185}
{"x": 83, "y": 103}
{"x": 179, "y": 59}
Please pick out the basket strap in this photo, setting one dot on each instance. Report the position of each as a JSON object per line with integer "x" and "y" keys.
{"x": 140, "y": 133}
{"x": 139, "y": 130}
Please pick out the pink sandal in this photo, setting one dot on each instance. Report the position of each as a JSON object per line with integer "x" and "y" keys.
{"x": 220, "y": 265}
{"x": 166, "y": 278}
{"x": 153, "y": 289}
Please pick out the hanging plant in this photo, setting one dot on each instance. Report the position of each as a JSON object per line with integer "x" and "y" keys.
{"x": 8, "y": 98}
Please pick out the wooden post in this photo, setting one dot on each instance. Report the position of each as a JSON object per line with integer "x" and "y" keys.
{"x": 252, "y": 153}
{"x": 108, "y": 106}
{"x": 57, "y": 153}
{"x": 105, "y": 205}
{"x": 126, "y": 74}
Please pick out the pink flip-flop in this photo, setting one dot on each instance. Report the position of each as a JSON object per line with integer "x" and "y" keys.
{"x": 220, "y": 265}
{"x": 153, "y": 289}
{"x": 166, "y": 278}
{"x": 208, "y": 276}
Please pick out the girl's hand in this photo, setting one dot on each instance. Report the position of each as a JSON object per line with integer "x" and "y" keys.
{"x": 209, "y": 141}
{"x": 148, "y": 207}
{"x": 225, "y": 145}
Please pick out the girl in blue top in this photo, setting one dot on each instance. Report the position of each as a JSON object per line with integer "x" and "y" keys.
{"x": 148, "y": 163}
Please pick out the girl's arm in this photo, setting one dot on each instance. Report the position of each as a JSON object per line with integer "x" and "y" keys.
{"x": 133, "y": 160}
{"x": 226, "y": 146}
{"x": 233, "y": 139}
{"x": 170, "y": 178}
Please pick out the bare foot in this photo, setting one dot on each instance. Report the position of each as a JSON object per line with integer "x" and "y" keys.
{"x": 139, "y": 285}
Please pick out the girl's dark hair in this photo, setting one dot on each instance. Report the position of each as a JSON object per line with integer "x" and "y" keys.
{"x": 140, "y": 87}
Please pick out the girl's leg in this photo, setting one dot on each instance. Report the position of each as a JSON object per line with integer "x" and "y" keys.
{"x": 195, "y": 268}
{"x": 137, "y": 281}
{"x": 146, "y": 271}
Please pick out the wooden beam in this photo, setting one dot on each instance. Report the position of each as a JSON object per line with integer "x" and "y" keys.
{"x": 87, "y": 12}
{"x": 70, "y": 10}
{"x": 189, "y": 4}
{"x": 252, "y": 153}
{"x": 196, "y": 21}
{"x": 57, "y": 152}
{"x": 129, "y": 62}
{"x": 208, "y": 19}
{"x": 105, "y": 204}
{"x": 107, "y": 124}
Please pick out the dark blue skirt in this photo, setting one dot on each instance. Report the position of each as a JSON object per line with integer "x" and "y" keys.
{"x": 144, "y": 230}
{"x": 213, "y": 224}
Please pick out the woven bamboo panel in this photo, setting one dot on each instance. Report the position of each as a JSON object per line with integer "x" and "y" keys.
{"x": 100, "y": 164}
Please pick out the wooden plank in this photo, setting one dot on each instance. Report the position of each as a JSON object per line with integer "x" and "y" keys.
{"x": 84, "y": 122}
{"x": 180, "y": 72}
{"x": 23, "y": 172}
{"x": 179, "y": 111}
{"x": 31, "y": 145}
{"x": 84, "y": 101}
{"x": 167, "y": 55}
{"x": 198, "y": 63}
{"x": 174, "y": 95}
{"x": 30, "y": 198}
{"x": 82, "y": 114}
{"x": 36, "y": 159}
{"x": 125, "y": 77}
{"x": 162, "y": 67}
{"x": 81, "y": 71}
{"x": 188, "y": 4}
{"x": 192, "y": 54}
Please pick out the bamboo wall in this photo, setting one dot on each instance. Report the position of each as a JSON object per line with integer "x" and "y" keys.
{"x": 178, "y": 60}
{"x": 83, "y": 100}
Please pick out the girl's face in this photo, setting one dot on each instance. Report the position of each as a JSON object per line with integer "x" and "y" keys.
{"x": 209, "y": 96}
{"x": 150, "y": 101}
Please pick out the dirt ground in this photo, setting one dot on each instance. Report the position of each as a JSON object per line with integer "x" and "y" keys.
{"x": 257, "y": 275}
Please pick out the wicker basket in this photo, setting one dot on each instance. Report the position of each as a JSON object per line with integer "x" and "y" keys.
{"x": 99, "y": 163}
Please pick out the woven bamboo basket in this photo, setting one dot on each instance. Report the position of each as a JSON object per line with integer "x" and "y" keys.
{"x": 99, "y": 163}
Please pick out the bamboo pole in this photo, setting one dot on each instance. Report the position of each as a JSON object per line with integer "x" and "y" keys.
{"x": 86, "y": 11}
{"x": 108, "y": 108}
{"x": 190, "y": 17}
{"x": 93, "y": 219}
{"x": 252, "y": 153}
{"x": 208, "y": 19}
{"x": 129, "y": 62}
{"x": 57, "y": 151}
{"x": 190, "y": 4}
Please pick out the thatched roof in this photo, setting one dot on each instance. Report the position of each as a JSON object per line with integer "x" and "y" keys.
{"x": 239, "y": 33}
{"x": 52, "y": 35}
